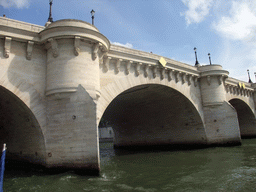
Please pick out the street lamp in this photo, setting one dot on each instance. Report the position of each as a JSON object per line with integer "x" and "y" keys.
{"x": 197, "y": 63}
{"x": 250, "y": 81}
{"x": 210, "y": 58}
{"x": 92, "y": 13}
{"x": 50, "y": 12}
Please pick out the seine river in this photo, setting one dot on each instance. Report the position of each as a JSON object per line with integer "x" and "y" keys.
{"x": 210, "y": 169}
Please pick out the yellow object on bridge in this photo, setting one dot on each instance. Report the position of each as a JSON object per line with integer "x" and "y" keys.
{"x": 162, "y": 61}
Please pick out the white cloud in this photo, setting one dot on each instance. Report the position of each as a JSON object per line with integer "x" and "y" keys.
{"x": 197, "y": 10}
{"x": 241, "y": 23}
{"x": 14, "y": 3}
{"x": 128, "y": 45}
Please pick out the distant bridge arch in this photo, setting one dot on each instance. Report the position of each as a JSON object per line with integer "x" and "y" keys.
{"x": 246, "y": 117}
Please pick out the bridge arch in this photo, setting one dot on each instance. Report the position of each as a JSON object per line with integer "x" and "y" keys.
{"x": 112, "y": 86}
{"x": 246, "y": 117}
{"x": 154, "y": 114}
{"x": 20, "y": 129}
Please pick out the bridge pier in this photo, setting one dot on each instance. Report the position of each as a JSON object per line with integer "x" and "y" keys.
{"x": 72, "y": 89}
{"x": 220, "y": 118}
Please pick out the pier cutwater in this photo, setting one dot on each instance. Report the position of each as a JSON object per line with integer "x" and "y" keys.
{"x": 57, "y": 82}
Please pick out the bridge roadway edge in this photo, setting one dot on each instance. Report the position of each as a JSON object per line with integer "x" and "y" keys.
{"x": 74, "y": 50}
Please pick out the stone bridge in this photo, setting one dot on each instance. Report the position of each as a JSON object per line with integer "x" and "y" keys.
{"x": 57, "y": 82}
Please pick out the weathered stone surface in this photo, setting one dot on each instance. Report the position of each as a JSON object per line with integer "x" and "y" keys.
{"x": 58, "y": 81}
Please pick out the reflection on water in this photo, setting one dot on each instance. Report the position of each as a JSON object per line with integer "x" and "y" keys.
{"x": 210, "y": 169}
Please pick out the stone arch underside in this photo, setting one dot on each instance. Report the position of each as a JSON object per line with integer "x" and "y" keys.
{"x": 153, "y": 114}
{"x": 246, "y": 118}
{"x": 20, "y": 130}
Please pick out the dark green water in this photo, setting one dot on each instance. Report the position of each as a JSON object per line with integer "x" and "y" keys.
{"x": 211, "y": 169}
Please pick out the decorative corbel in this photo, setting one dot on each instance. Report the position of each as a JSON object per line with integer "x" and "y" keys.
{"x": 220, "y": 79}
{"x": 77, "y": 46}
{"x": 231, "y": 89}
{"x": 176, "y": 74}
{"x": 118, "y": 62}
{"x": 128, "y": 66}
{"x": 154, "y": 71}
{"x": 103, "y": 53}
{"x": 29, "y": 49}
{"x": 146, "y": 70}
{"x": 227, "y": 88}
{"x": 162, "y": 73}
{"x": 208, "y": 79}
{"x": 54, "y": 46}
{"x": 243, "y": 92}
{"x": 195, "y": 81}
{"x": 7, "y": 46}
{"x": 95, "y": 50}
{"x": 234, "y": 90}
{"x": 137, "y": 68}
{"x": 189, "y": 79}
{"x": 102, "y": 50}
{"x": 239, "y": 91}
{"x": 170, "y": 72}
{"x": 106, "y": 63}
{"x": 183, "y": 75}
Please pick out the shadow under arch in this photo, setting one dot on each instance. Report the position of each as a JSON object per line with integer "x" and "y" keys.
{"x": 154, "y": 115}
{"x": 246, "y": 118}
{"x": 20, "y": 130}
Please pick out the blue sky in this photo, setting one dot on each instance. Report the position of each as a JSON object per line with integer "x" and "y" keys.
{"x": 170, "y": 28}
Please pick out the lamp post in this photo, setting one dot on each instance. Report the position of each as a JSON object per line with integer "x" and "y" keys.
{"x": 197, "y": 63}
{"x": 50, "y": 12}
{"x": 210, "y": 58}
{"x": 250, "y": 81}
{"x": 92, "y": 13}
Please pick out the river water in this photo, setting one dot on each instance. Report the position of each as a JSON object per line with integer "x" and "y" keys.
{"x": 209, "y": 169}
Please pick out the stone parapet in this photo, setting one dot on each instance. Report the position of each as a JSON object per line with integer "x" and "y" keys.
{"x": 238, "y": 87}
{"x": 70, "y": 28}
{"x": 136, "y": 56}
{"x": 19, "y": 30}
